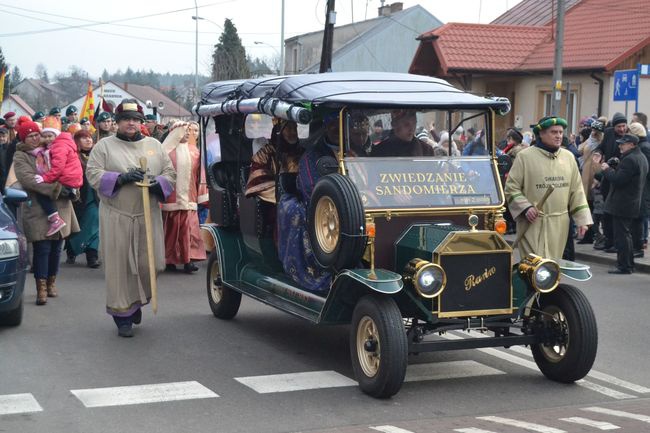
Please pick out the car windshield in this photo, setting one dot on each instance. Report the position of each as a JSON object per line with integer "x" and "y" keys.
{"x": 400, "y": 159}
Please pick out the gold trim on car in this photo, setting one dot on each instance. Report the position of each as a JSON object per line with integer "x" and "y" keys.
{"x": 529, "y": 265}
{"x": 326, "y": 224}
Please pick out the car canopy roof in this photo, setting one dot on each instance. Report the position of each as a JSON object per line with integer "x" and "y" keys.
{"x": 294, "y": 97}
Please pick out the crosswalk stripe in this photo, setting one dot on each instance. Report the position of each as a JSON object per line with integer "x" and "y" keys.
{"x": 604, "y": 390}
{"x": 18, "y": 403}
{"x": 296, "y": 381}
{"x": 521, "y": 424}
{"x": 613, "y": 380}
{"x": 390, "y": 429}
{"x": 448, "y": 370}
{"x": 139, "y": 394}
{"x": 619, "y": 413}
{"x": 472, "y": 430}
{"x": 532, "y": 366}
{"x": 600, "y": 425}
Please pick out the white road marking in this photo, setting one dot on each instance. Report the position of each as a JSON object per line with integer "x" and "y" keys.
{"x": 604, "y": 390}
{"x": 448, "y": 370}
{"x": 390, "y": 429}
{"x": 139, "y": 394}
{"x": 600, "y": 425}
{"x": 296, "y": 381}
{"x": 613, "y": 380}
{"x": 532, "y": 366}
{"x": 619, "y": 413}
{"x": 521, "y": 424}
{"x": 472, "y": 430}
{"x": 18, "y": 403}
{"x": 619, "y": 382}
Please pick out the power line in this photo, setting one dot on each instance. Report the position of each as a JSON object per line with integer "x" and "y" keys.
{"x": 96, "y": 23}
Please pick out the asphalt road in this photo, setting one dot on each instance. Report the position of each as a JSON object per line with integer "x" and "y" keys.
{"x": 201, "y": 374}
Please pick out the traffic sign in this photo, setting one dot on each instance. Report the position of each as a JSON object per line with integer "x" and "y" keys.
{"x": 626, "y": 85}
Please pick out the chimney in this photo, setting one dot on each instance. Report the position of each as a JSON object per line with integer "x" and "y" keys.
{"x": 126, "y": 86}
{"x": 396, "y": 7}
{"x": 384, "y": 11}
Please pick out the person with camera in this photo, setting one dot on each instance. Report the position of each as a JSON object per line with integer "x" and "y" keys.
{"x": 623, "y": 202}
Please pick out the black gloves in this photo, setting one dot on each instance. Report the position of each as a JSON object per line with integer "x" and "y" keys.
{"x": 156, "y": 189}
{"x": 68, "y": 193}
{"x": 130, "y": 176}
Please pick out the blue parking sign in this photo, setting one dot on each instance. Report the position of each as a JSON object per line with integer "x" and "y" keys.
{"x": 626, "y": 85}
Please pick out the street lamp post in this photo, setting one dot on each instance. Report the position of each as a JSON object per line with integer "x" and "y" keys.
{"x": 196, "y": 52}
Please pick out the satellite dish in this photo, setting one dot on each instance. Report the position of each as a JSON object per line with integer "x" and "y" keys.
{"x": 149, "y": 104}
{"x": 161, "y": 105}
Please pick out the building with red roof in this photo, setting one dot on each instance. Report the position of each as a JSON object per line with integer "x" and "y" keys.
{"x": 514, "y": 56}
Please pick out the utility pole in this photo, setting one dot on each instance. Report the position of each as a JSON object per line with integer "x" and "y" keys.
{"x": 557, "y": 69}
{"x": 281, "y": 71}
{"x": 328, "y": 36}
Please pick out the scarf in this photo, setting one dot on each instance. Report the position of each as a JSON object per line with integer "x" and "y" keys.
{"x": 42, "y": 156}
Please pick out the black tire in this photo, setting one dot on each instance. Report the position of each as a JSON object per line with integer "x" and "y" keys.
{"x": 224, "y": 301}
{"x": 378, "y": 346}
{"x": 571, "y": 359}
{"x": 338, "y": 241}
{"x": 13, "y": 317}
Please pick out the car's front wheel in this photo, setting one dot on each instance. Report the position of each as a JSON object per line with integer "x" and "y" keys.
{"x": 13, "y": 317}
{"x": 567, "y": 316}
{"x": 378, "y": 346}
{"x": 224, "y": 301}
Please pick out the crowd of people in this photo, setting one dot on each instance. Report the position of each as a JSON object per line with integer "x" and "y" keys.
{"x": 84, "y": 183}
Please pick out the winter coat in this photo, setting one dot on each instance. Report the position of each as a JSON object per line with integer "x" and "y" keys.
{"x": 624, "y": 198}
{"x": 34, "y": 219}
{"x": 65, "y": 166}
{"x": 645, "y": 199}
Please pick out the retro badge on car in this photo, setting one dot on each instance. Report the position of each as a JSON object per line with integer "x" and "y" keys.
{"x": 542, "y": 274}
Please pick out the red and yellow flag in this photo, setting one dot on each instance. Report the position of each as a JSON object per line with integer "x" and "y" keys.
{"x": 88, "y": 109}
{"x": 2, "y": 84}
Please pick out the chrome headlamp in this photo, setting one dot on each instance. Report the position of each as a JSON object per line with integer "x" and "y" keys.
{"x": 429, "y": 279}
{"x": 542, "y": 274}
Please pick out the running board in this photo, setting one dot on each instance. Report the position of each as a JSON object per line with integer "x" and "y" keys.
{"x": 473, "y": 343}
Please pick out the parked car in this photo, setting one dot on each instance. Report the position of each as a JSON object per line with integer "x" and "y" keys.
{"x": 13, "y": 259}
{"x": 414, "y": 244}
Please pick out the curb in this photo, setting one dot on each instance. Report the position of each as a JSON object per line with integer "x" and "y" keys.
{"x": 602, "y": 260}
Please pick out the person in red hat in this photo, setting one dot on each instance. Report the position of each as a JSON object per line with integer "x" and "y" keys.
{"x": 47, "y": 246}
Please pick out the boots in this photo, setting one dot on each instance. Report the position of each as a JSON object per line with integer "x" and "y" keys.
{"x": 56, "y": 224}
{"x": 51, "y": 288}
{"x": 41, "y": 291}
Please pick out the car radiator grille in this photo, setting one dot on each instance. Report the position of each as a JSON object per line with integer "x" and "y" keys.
{"x": 477, "y": 284}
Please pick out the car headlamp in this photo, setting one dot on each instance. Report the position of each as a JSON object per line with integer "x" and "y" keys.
{"x": 542, "y": 274}
{"x": 429, "y": 279}
{"x": 8, "y": 248}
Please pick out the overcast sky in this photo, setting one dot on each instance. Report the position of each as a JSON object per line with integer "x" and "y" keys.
{"x": 160, "y": 34}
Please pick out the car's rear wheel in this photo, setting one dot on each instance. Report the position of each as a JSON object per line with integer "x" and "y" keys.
{"x": 568, "y": 316}
{"x": 335, "y": 222}
{"x": 224, "y": 301}
{"x": 13, "y": 317}
{"x": 378, "y": 346}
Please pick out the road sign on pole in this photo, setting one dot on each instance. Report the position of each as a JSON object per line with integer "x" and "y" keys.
{"x": 626, "y": 85}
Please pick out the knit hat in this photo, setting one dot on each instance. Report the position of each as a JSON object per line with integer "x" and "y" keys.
{"x": 103, "y": 116}
{"x": 129, "y": 109}
{"x": 27, "y": 128}
{"x": 597, "y": 125}
{"x": 637, "y": 129}
{"x": 9, "y": 115}
{"x": 52, "y": 124}
{"x": 23, "y": 119}
{"x": 618, "y": 118}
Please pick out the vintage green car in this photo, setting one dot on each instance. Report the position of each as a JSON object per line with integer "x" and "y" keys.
{"x": 413, "y": 242}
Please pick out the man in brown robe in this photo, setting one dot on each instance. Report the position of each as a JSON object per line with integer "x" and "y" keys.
{"x": 534, "y": 170}
{"x": 113, "y": 169}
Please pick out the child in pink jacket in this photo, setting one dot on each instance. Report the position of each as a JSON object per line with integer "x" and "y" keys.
{"x": 61, "y": 164}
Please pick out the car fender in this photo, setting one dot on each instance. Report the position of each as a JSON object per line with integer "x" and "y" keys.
{"x": 231, "y": 242}
{"x": 352, "y": 284}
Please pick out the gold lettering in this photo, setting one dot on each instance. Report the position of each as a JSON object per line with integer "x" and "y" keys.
{"x": 474, "y": 280}
{"x": 383, "y": 177}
